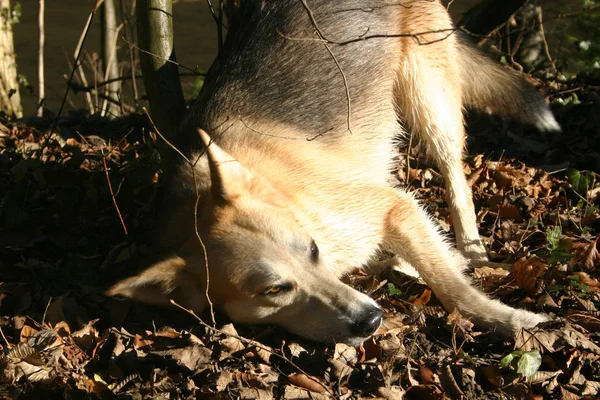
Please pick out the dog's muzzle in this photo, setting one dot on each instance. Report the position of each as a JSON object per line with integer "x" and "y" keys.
{"x": 367, "y": 322}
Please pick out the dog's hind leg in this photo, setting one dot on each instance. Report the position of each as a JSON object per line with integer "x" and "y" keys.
{"x": 429, "y": 97}
{"x": 410, "y": 233}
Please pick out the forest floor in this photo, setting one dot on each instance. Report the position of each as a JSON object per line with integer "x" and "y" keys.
{"x": 74, "y": 207}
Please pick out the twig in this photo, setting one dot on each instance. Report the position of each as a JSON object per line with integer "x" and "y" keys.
{"x": 576, "y": 13}
{"x": 110, "y": 73}
{"x": 410, "y": 142}
{"x": 46, "y": 310}
{"x": 73, "y": 84}
{"x": 131, "y": 54}
{"x": 197, "y": 190}
{"x": 164, "y": 138}
{"x": 543, "y": 34}
{"x": 117, "y": 145}
{"x": 267, "y": 134}
{"x": 88, "y": 88}
{"x": 112, "y": 195}
{"x": 250, "y": 342}
{"x": 220, "y": 28}
{"x": 320, "y": 35}
{"x": 417, "y": 36}
{"x": 195, "y": 70}
{"x": 78, "y": 54}
{"x": 212, "y": 11}
{"x": 4, "y": 337}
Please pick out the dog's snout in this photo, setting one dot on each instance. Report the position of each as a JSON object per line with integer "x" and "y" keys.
{"x": 368, "y": 322}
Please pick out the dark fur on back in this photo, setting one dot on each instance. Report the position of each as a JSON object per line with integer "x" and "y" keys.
{"x": 274, "y": 66}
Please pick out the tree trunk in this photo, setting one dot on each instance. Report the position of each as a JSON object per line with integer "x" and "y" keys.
{"x": 41, "y": 76}
{"x": 10, "y": 99}
{"x": 161, "y": 77}
{"x": 111, "y": 106}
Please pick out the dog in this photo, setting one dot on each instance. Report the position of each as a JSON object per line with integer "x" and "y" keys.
{"x": 289, "y": 189}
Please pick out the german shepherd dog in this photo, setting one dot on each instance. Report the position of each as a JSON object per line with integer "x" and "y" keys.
{"x": 291, "y": 190}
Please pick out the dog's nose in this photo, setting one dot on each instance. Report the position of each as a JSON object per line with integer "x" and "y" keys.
{"x": 368, "y": 322}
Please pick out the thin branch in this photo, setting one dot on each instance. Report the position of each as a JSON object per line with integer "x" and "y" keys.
{"x": 410, "y": 143}
{"x": 364, "y": 36}
{"x": 195, "y": 71}
{"x": 267, "y": 134}
{"x": 164, "y": 138}
{"x": 250, "y": 342}
{"x": 346, "y": 87}
{"x": 89, "y": 88}
{"x": 113, "y": 196}
{"x": 46, "y": 310}
{"x": 197, "y": 190}
{"x": 76, "y": 63}
{"x": 111, "y": 71}
{"x": 543, "y": 35}
{"x": 131, "y": 53}
{"x": 576, "y": 13}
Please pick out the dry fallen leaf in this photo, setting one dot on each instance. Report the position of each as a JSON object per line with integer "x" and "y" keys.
{"x": 310, "y": 383}
{"x": 590, "y": 256}
{"x": 346, "y": 354}
{"x": 424, "y": 298}
{"x": 425, "y": 392}
{"x": 296, "y": 393}
{"x": 224, "y": 379}
{"x": 553, "y": 339}
{"x": 506, "y": 175}
{"x": 456, "y": 319}
{"x": 27, "y": 332}
{"x": 586, "y": 279}
{"x": 369, "y": 350}
{"x": 231, "y": 344}
{"x": 527, "y": 271}
{"x": 256, "y": 394}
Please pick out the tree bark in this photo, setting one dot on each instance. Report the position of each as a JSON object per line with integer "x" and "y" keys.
{"x": 111, "y": 62}
{"x": 41, "y": 77}
{"x": 10, "y": 98}
{"x": 161, "y": 76}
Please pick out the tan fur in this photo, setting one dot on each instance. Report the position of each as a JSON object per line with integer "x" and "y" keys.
{"x": 273, "y": 187}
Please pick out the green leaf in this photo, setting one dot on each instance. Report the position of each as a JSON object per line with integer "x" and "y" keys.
{"x": 529, "y": 363}
{"x": 393, "y": 290}
{"x": 17, "y": 13}
{"x": 561, "y": 252}
{"x": 553, "y": 235}
{"x": 197, "y": 86}
{"x": 581, "y": 182}
{"x": 508, "y": 359}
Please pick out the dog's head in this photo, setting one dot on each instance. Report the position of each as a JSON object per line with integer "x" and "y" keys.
{"x": 263, "y": 267}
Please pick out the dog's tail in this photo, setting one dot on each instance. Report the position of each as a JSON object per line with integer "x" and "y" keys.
{"x": 488, "y": 85}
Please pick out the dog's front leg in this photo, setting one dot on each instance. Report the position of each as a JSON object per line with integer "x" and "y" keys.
{"x": 410, "y": 233}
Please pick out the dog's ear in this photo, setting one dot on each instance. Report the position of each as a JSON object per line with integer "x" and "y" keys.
{"x": 229, "y": 178}
{"x": 168, "y": 280}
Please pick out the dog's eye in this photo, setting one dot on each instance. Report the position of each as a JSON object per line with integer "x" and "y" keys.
{"x": 314, "y": 251}
{"x": 277, "y": 289}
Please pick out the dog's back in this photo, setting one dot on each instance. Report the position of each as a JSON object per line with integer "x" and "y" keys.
{"x": 277, "y": 73}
